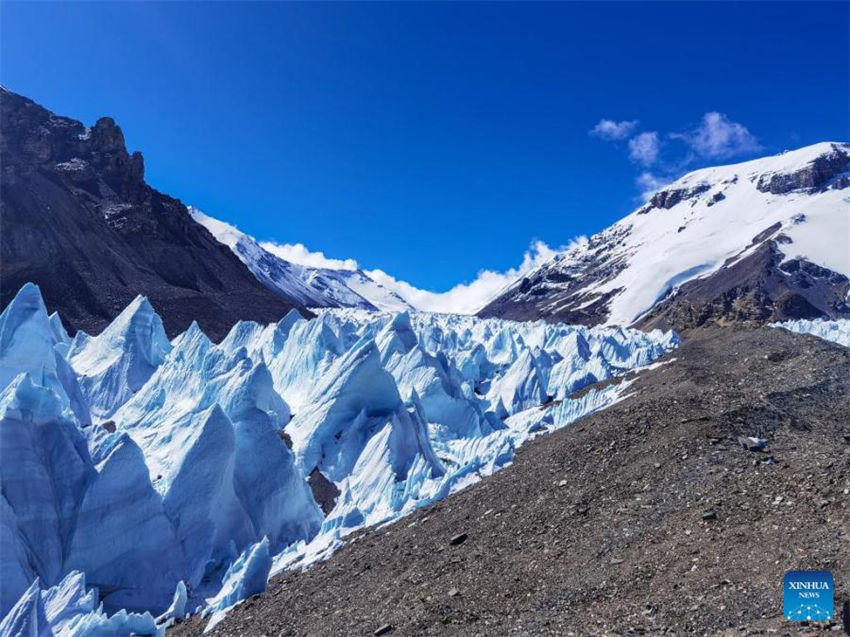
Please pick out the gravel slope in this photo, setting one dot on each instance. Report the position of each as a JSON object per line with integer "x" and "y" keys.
{"x": 648, "y": 517}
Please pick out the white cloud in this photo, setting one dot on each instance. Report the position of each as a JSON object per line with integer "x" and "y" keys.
{"x": 644, "y": 148}
{"x": 467, "y": 298}
{"x": 299, "y": 253}
{"x": 610, "y": 130}
{"x": 649, "y": 184}
{"x": 717, "y": 137}
{"x": 464, "y": 298}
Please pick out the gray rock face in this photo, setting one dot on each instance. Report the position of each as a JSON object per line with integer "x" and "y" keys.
{"x": 716, "y": 198}
{"x": 812, "y": 177}
{"x": 757, "y": 289}
{"x": 557, "y": 292}
{"x": 324, "y": 491}
{"x": 668, "y": 198}
{"x": 80, "y": 221}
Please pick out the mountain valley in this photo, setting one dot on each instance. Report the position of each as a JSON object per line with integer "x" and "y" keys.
{"x": 200, "y": 435}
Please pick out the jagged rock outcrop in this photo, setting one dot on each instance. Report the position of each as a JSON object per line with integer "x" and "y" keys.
{"x": 79, "y": 220}
{"x": 669, "y": 197}
{"x": 811, "y": 177}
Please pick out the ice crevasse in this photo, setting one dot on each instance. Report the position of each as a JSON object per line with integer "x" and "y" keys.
{"x": 836, "y": 331}
{"x": 144, "y": 479}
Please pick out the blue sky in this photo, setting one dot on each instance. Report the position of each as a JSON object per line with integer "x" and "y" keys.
{"x": 433, "y": 140}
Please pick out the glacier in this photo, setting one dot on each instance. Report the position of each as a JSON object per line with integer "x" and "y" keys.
{"x": 114, "y": 365}
{"x": 70, "y": 609}
{"x": 144, "y": 479}
{"x": 836, "y": 331}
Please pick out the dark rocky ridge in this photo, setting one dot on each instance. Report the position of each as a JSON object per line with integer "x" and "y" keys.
{"x": 557, "y": 292}
{"x": 758, "y": 289}
{"x": 646, "y": 518}
{"x": 813, "y": 177}
{"x": 669, "y": 197}
{"x": 78, "y": 219}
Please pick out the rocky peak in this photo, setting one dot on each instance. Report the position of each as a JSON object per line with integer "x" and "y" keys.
{"x": 79, "y": 220}
{"x": 35, "y": 137}
{"x": 106, "y": 136}
{"x": 105, "y": 147}
{"x": 33, "y": 133}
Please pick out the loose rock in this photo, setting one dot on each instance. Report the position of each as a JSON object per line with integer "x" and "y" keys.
{"x": 458, "y": 539}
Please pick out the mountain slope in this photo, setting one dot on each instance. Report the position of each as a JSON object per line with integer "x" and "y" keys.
{"x": 758, "y": 241}
{"x": 311, "y": 287}
{"x": 645, "y": 518}
{"x": 79, "y": 220}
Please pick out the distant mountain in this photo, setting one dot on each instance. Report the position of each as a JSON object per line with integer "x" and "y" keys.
{"x": 759, "y": 241}
{"x": 79, "y": 220}
{"x": 311, "y": 287}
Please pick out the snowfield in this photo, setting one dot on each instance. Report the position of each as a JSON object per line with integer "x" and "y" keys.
{"x": 144, "y": 478}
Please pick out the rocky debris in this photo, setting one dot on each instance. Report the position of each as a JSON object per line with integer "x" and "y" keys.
{"x": 325, "y": 492}
{"x": 458, "y": 539}
{"x": 812, "y": 177}
{"x": 623, "y": 548}
{"x": 751, "y": 443}
{"x": 80, "y": 221}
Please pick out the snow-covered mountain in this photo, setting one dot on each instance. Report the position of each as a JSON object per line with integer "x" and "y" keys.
{"x": 312, "y": 287}
{"x": 143, "y": 477}
{"x": 764, "y": 240}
